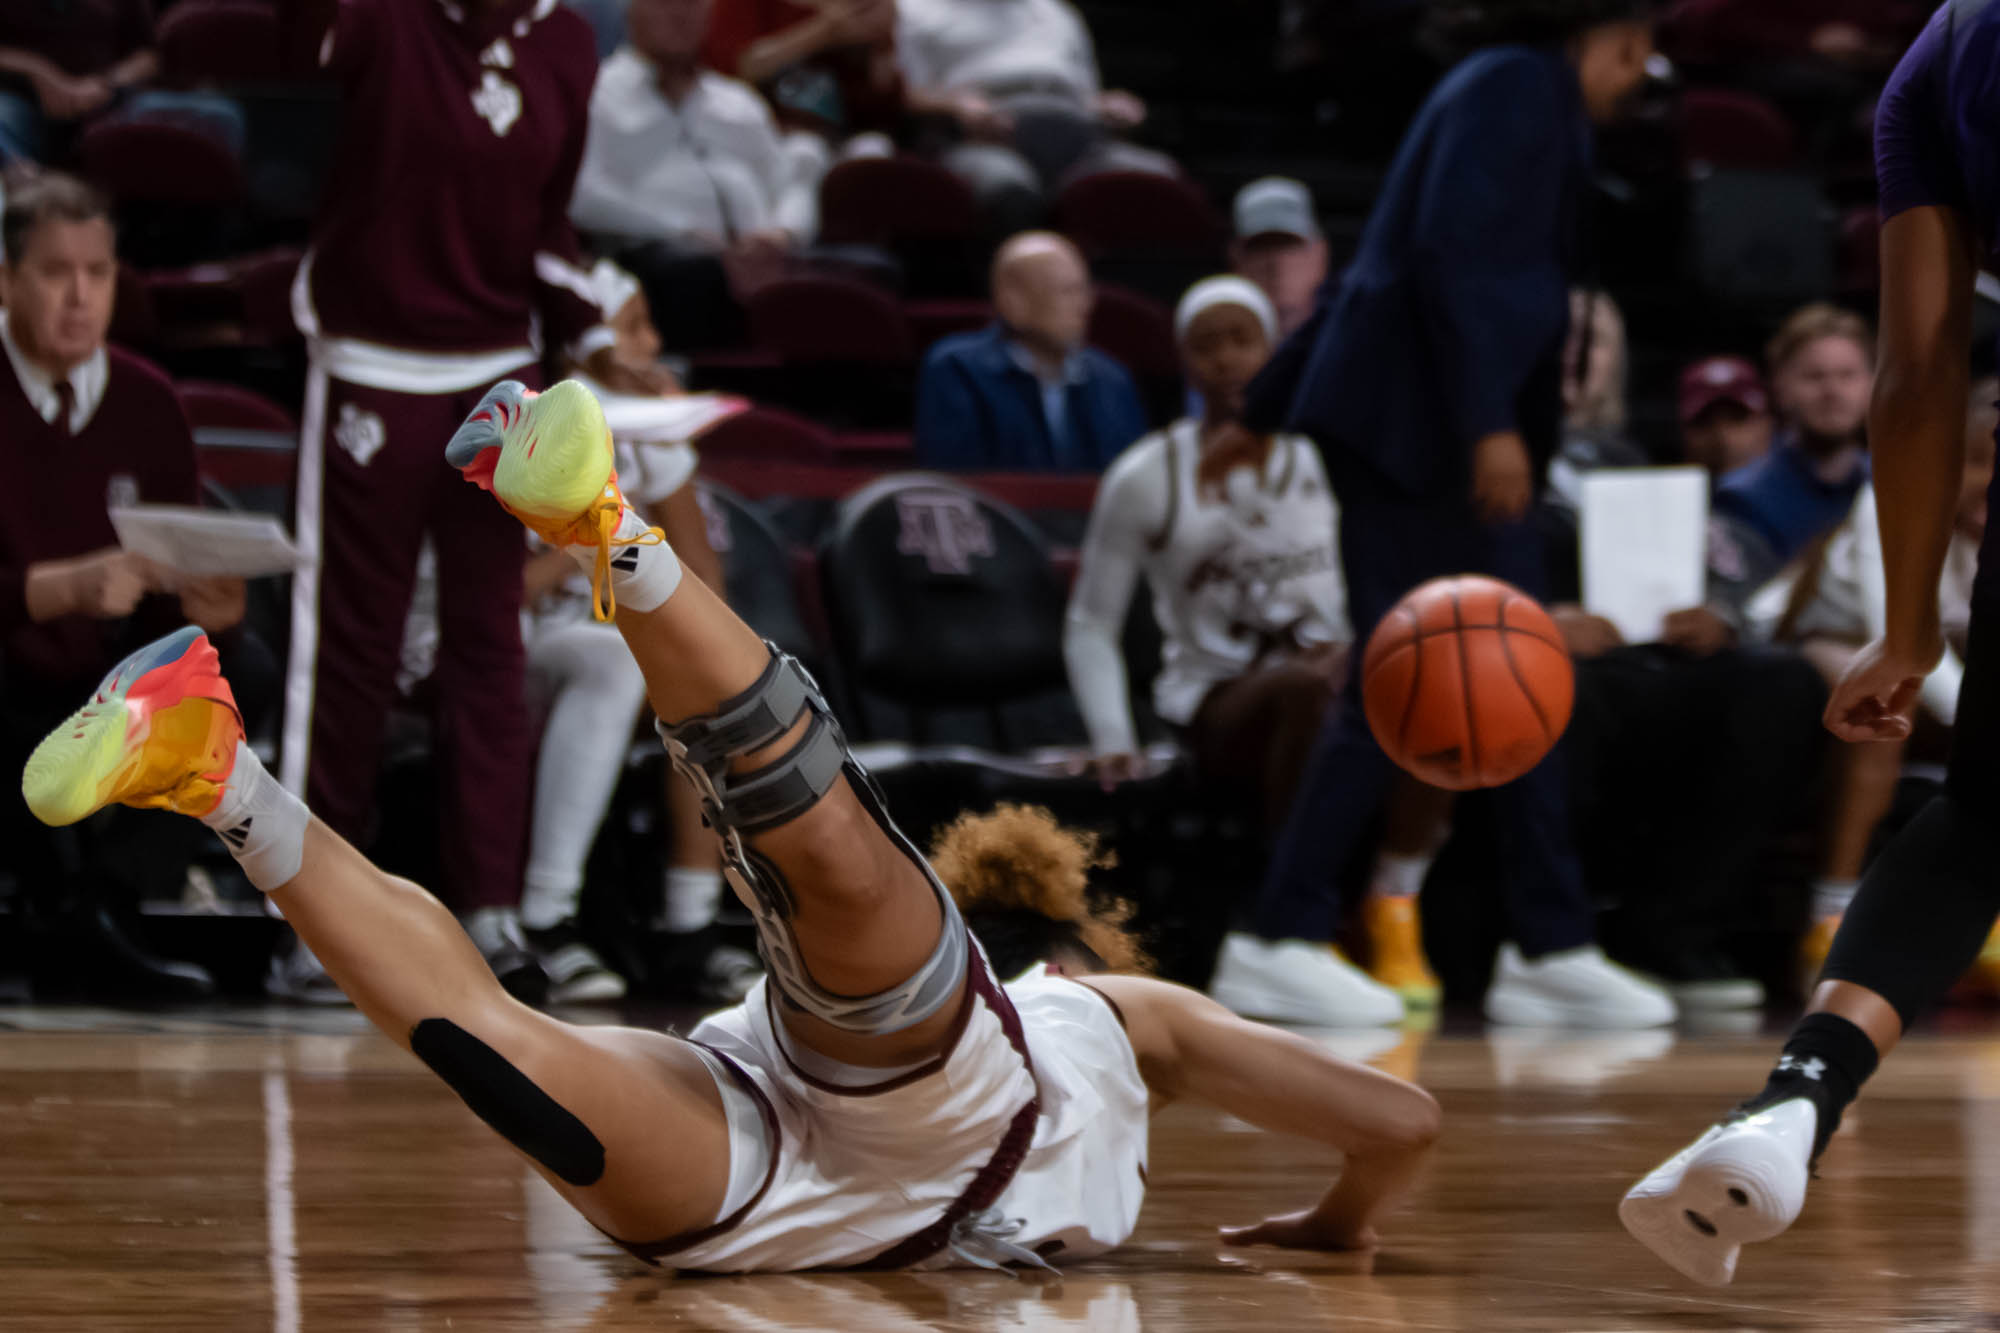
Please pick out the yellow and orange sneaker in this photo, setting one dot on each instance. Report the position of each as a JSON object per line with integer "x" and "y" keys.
{"x": 1813, "y": 949}
{"x": 547, "y": 459}
{"x": 160, "y": 733}
{"x": 1396, "y": 950}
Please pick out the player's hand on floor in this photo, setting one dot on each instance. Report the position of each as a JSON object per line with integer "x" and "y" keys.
{"x": 1876, "y": 698}
{"x": 1303, "y": 1230}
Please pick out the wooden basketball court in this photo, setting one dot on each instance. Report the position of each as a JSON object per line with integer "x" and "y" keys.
{"x": 252, "y": 1169}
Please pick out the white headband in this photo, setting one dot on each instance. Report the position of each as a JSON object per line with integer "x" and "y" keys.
{"x": 1227, "y": 289}
{"x": 611, "y": 287}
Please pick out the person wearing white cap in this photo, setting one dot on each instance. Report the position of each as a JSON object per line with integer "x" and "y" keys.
{"x": 1278, "y": 245}
{"x": 1237, "y": 544}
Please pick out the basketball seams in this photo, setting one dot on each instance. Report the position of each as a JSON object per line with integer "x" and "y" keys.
{"x": 1555, "y": 642}
{"x": 1464, "y": 685}
{"x": 1416, "y": 646}
{"x": 1514, "y": 669}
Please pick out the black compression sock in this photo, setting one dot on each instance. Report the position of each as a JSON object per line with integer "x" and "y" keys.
{"x": 1826, "y": 1060}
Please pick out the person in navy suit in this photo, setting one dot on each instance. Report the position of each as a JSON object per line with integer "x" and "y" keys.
{"x": 1025, "y": 394}
{"x": 1430, "y": 375}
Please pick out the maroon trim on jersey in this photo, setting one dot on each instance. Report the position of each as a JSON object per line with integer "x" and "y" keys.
{"x": 652, "y": 1252}
{"x": 1000, "y": 1169}
{"x": 973, "y": 967}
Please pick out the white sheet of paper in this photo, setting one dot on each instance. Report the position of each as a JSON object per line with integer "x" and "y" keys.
{"x": 666, "y": 420}
{"x": 206, "y": 543}
{"x": 1644, "y": 545}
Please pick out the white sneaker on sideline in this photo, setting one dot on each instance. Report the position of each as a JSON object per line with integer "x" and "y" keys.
{"x": 297, "y": 975}
{"x": 1741, "y": 1182}
{"x": 1296, "y": 981}
{"x": 1576, "y": 988}
{"x": 1715, "y": 994}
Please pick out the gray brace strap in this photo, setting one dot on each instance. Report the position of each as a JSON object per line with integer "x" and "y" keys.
{"x": 740, "y": 805}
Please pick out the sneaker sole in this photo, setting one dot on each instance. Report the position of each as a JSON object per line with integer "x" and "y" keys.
{"x": 565, "y": 461}
{"x": 1528, "y": 1011}
{"x": 600, "y": 989}
{"x": 1248, "y": 1002}
{"x": 1736, "y": 1190}
{"x": 79, "y": 768}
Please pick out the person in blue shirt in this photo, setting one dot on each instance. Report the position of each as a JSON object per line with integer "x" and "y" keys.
{"x": 1927, "y": 903}
{"x": 1430, "y": 376}
{"x": 1026, "y": 394}
{"x": 1823, "y": 368}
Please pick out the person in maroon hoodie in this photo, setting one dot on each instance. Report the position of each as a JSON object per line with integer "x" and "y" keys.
{"x": 442, "y": 261}
{"x": 81, "y": 420}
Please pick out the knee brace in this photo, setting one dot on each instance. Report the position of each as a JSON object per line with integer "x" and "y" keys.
{"x": 509, "y": 1101}
{"x": 741, "y": 805}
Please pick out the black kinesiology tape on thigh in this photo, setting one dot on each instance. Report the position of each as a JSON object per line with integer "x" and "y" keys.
{"x": 509, "y": 1101}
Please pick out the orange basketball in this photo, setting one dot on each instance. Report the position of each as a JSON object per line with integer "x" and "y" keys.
{"x": 1467, "y": 683}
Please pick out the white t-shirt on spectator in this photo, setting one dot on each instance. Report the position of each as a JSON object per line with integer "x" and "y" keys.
{"x": 702, "y": 172}
{"x": 1226, "y": 572}
{"x": 982, "y": 45}
{"x": 1851, "y": 600}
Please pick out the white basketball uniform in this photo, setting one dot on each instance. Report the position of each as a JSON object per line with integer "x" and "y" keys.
{"x": 855, "y": 1171}
{"x": 1233, "y": 575}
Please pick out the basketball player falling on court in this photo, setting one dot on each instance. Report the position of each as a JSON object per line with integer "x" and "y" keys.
{"x": 879, "y": 1099}
{"x": 1928, "y": 901}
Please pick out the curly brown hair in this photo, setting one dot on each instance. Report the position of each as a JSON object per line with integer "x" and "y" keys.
{"x": 1023, "y": 882}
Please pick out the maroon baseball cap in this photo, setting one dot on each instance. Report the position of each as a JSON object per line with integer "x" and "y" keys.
{"x": 1721, "y": 379}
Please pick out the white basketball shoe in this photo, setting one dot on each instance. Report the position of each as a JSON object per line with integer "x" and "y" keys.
{"x": 1297, "y": 981}
{"x": 1575, "y": 988}
{"x": 1741, "y": 1182}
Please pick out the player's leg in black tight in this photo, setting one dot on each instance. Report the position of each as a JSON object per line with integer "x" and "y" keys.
{"x": 1919, "y": 918}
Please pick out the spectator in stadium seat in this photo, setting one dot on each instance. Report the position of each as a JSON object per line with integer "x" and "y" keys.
{"x": 1856, "y": 34}
{"x": 686, "y": 181}
{"x": 63, "y": 65}
{"x": 1278, "y": 245}
{"x": 1026, "y": 394}
{"x": 1237, "y": 546}
{"x": 1725, "y": 415}
{"x": 85, "y": 428}
{"x": 1019, "y": 80}
{"x": 441, "y": 259}
{"x": 828, "y": 66}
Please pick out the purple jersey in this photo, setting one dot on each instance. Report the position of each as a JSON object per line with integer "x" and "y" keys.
{"x": 444, "y": 226}
{"x": 1937, "y": 127}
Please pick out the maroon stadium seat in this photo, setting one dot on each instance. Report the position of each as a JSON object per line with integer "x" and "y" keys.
{"x": 1721, "y": 127}
{"x": 1138, "y": 212}
{"x": 134, "y": 322}
{"x": 932, "y": 320}
{"x": 242, "y": 439}
{"x": 151, "y": 162}
{"x": 768, "y": 435}
{"x": 877, "y": 200}
{"x": 219, "y": 42}
{"x": 1137, "y": 331}
{"x": 818, "y": 320}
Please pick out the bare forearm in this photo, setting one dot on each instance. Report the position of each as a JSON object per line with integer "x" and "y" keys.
{"x": 771, "y": 56}
{"x": 48, "y": 593}
{"x": 135, "y": 69}
{"x": 1369, "y": 1186}
{"x": 1918, "y": 432}
{"x": 14, "y": 60}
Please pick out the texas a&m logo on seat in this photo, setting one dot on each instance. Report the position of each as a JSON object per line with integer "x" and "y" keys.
{"x": 943, "y": 527}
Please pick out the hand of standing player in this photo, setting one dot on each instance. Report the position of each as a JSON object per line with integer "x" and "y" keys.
{"x": 1503, "y": 477}
{"x": 1585, "y": 635}
{"x": 1877, "y": 695}
{"x": 1113, "y": 770}
{"x": 104, "y": 585}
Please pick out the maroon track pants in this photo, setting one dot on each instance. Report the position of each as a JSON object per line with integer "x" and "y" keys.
{"x": 373, "y": 483}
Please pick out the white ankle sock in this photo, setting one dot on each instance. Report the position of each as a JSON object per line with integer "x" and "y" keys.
{"x": 262, "y": 824}
{"x": 643, "y": 575}
{"x": 689, "y": 899}
{"x": 1399, "y": 876}
{"x": 1830, "y": 897}
{"x": 546, "y": 902}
